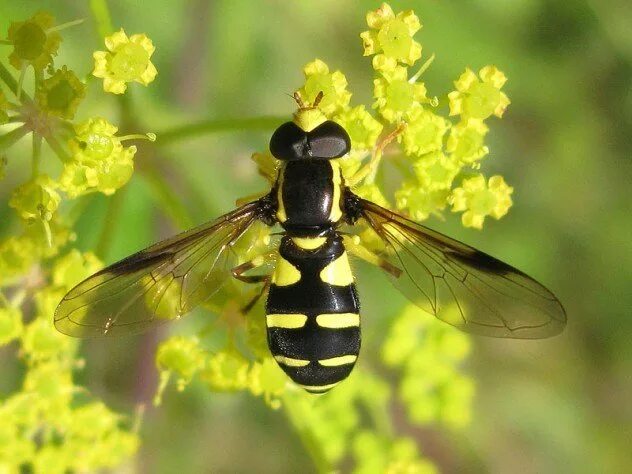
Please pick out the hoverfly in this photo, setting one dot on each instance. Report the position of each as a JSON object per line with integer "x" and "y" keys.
{"x": 312, "y": 308}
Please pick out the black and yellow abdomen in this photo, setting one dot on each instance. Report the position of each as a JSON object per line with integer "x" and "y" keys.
{"x": 312, "y": 311}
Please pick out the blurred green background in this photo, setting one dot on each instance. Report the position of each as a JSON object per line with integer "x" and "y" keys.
{"x": 559, "y": 405}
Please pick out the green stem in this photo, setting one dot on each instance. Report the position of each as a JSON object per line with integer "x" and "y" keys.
{"x": 37, "y": 154}
{"x": 9, "y": 139}
{"x": 218, "y": 125}
{"x": 10, "y": 81}
{"x": 62, "y": 154}
{"x": 102, "y": 17}
{"x": 21, "y": 77}
{"x": 68, "y": 24}
{"x": 109, "y": 223}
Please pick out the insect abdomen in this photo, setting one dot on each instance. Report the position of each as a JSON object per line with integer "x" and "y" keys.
{"x": 313, "y": 315}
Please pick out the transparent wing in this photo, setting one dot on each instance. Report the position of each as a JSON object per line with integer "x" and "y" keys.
{"x": 461, "y": 285}
{"x": 157, "y": 284}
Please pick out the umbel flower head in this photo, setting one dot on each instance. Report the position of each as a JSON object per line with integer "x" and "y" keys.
{"x": 480, "y": 96}
{"x": 391, "y": 37}
{"x": 61, "y": 93}
{"x": 127, "y": 60}
{"x": 34, "y": 42}
{"x": 480, "y": 199}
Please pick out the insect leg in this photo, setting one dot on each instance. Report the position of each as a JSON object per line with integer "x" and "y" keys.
{"x": 370, "y": 168}
{"x": 238, "y": 273}
{"x": 239, "y": 270}
{"x": 355, "y": 247}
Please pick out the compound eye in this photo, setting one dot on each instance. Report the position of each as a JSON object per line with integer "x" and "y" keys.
{"x": 289, "y": 142}
{"x": 329, "y": 140}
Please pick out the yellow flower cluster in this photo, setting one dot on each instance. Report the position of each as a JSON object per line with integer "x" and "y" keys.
{"x": 44, "y": 422}
{"x": 441, "y": 151}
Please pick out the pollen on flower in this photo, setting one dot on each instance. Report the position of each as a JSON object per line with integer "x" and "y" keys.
{"x": 466, "y": 141}
{"x": 480, "y": 96}
{"x": 391, "y": 37}
{"x": 479, "y": 199}
{"x": 333, "y": 85}
{"x": 61, "y": 93}
{"x": 33, "y": 41}
{"x": 127, "y": 60}
{"x": 395, "y": 97}
{"x": 424, "y": 132}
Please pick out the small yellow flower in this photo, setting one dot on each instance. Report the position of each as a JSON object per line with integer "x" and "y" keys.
{"x": 361, "y": 126}
{"x": 467, "y": 141}
{"x": 127, "y": 60}
{"x": 391, "y": 37}
{"x": 480, "y": 199}
{"x": 479, "y": 97}
{"x": 419, "y": 202}
{"x": 77, "y": 179}
{"x": 61, "y": 93}
{"x": 424, "y": 132}
{"x": 333, "y": 85}
{"x": 33, "y": 41}
{"x": 396, "y": 98}
{"x": 36, "y": 199}
{"x": 98, "y": 154}
{"x": 436, "y": 171}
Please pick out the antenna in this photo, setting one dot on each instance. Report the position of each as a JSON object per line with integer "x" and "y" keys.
{"x": 318, "y": 98}
{"x": 299, "y": 100}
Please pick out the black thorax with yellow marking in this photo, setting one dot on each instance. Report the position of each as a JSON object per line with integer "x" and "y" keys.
{"x": 312, "y": 310}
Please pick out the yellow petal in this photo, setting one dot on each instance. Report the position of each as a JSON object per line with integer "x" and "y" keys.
{"x": 375, "y": 19}
{"x": 466, "y": 79}
{"x": 369, "y": 42}
{"x": 100, "y": 63}
{"x": 494, "y": 75}
{"x": 316, "y": 67}
{"x": 115, "y": 40}
{"x": 502, "y": 105}
{"x": 149, "y": 74}
{"x": 115, "y": 86}
{"x": 145, "y": 42}
{"x": 411, "y": 20}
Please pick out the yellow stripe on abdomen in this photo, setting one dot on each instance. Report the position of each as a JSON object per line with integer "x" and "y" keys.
{"x": 338, "y": 320}
{"x": 287, "y": 321}
{"x": 285, "y": 273}
{"x": 290, "y": 362}
{"x": 336, "y": 361}
{"x": 338, "y": 272}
